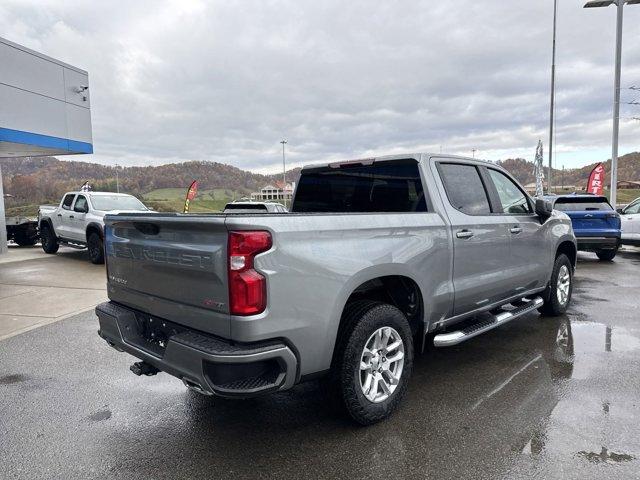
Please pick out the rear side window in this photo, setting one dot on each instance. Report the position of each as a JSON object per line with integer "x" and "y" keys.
{"x": 578, "y": 204}
{"x": 381, "y": 187}
{"x": 464, "y": 188}
{"x": 68, "y": 200}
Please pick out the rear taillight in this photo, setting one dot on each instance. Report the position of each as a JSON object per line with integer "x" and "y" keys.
{"x": 247, "y": 288}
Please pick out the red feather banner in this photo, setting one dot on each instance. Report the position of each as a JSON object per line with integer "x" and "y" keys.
{"x": 596, "y": 180}
{"x": 191, "y": 194}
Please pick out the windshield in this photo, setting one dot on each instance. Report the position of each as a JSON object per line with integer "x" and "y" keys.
{"x": 582, "y": 204}
{"x": 108, "y": 203}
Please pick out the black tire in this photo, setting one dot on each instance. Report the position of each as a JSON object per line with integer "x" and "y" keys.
{"x": 96, "y": 248}
{"x": 606, "y": 255}
{"x": 48, "y": 239}
{"x": 361, "y": 320}
{"x": 553, "y": 306}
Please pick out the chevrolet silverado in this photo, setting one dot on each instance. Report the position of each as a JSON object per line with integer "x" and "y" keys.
{"x": 376, "y": 258}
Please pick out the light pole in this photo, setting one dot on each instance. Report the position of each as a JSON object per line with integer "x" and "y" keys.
{"x": 553, "y": 93}
{"x": 284, "y": 174}
{"x": 616, "y": 87}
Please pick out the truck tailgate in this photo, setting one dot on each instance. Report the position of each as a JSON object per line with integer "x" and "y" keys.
{"x": 170, "y": 266}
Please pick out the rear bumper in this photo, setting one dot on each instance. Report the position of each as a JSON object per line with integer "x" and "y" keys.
{"x": 598, "y": 243}
{"x": 203, "y": 362}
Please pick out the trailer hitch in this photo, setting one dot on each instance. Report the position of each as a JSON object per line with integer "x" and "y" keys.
{"x": 143, "y": 368}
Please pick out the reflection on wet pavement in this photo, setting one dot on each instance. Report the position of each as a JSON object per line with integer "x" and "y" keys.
{"x": 540, "y": 397}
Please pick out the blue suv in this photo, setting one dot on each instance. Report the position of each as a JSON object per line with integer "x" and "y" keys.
{"x": 595, "y": 223}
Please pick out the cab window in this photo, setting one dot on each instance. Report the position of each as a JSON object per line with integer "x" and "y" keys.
{"x": 512, "y": 199}
{"x": 81, "y": 204}
{"x": 68, "y": 201}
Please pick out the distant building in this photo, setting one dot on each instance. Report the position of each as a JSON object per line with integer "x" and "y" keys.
{"x": 277, "y": 191}
{"x": 628, "y": 184}
{"x": 45, "y": 109}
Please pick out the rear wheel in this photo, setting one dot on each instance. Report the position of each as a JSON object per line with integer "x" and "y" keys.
{"x": 373, "y": 360}
{"x": 96, "y": 249}
{"x": 558, "y": 296}
{"x": 606, "y": 255}
{"x": 48, "y": 239}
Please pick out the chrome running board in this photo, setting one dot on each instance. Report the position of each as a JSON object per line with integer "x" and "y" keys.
{"x": 492, "y": 321}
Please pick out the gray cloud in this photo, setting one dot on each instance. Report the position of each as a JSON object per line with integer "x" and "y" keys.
{"x": 225, "y": 81}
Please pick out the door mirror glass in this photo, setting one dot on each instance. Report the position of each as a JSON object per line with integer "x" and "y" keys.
{"x": 544, "y": 209}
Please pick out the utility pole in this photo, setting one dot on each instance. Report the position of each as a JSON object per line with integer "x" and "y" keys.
{"x": 473, "y": 152}
{"x": 616, "y": 106}
{"x": 553, "y": 94}
{"x": 117, "y": 180}
{"x": 284, "y": 174}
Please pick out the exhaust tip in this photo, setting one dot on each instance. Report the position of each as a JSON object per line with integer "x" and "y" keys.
{"x": 196, "y": 387}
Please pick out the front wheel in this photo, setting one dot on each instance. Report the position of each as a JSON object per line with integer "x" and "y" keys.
{"x": 558, "y": 296}
{"x": 96, "y": 249}
{"x": 49, "y": 240}
{"x": 374, "y": 360}
{"x": 606, "y": 255}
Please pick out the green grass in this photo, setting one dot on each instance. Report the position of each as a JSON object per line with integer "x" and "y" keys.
{"x": 172, "y": 199}
{"x": 625, "y": 196}
{"x": 22, "y": 211}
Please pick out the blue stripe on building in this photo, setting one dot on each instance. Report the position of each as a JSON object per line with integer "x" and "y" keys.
{"x": 44, "y": 141}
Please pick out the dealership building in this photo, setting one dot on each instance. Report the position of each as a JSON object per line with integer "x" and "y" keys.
{"x": 45, "y": 109}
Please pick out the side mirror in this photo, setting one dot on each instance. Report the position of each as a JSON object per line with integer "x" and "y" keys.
{"x": 620, "y": 210}
{"x": 544, "y": 209}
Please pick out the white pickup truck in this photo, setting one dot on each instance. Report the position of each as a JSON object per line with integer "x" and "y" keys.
{"x": 78, "y": 221}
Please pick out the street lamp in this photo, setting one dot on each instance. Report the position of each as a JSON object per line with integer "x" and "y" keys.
{"x": 284, "y": 174}
{"x": 616, "y": 87}
{"x": 553, "y": 93}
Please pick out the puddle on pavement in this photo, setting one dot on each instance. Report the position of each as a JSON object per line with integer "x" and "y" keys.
{"x": 12, "y": 379}
{"x": 577, "y": 420}
{"x": 100, "y": 415}
{"x": 605, "y": 456}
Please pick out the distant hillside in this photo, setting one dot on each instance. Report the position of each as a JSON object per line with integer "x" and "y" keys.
{"x": 37, "y": 180}
{"x": 628, "y": 169}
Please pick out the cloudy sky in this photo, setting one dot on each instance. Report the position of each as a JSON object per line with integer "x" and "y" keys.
{"x": 227, "y": 80}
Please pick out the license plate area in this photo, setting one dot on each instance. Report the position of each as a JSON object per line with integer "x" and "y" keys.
{"x": 148, "y": 332}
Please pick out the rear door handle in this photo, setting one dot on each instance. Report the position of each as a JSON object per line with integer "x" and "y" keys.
{"x": 515, "y": 230}
{"x": 464, "y": 234}
{"x": 71, "y": 216}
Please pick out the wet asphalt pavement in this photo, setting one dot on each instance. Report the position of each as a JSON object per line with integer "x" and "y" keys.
{"x": 539, "y": 397}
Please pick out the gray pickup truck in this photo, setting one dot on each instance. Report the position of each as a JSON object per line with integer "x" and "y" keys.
{"x": 376, "y": 258}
